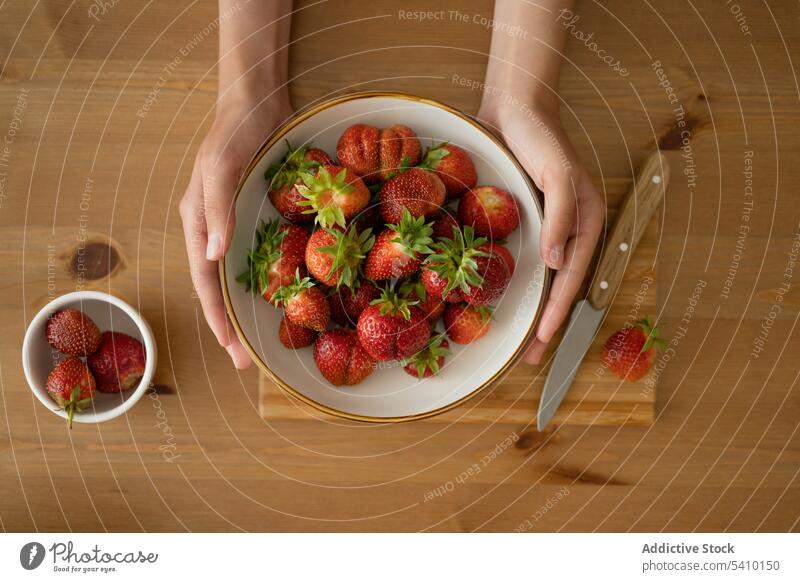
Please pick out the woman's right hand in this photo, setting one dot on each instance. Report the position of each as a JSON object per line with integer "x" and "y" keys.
{"x": 207, "y": 209}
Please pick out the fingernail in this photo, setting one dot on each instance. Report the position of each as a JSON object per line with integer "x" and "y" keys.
{"x": 213, "y": 248}
{"x": 555, "y": 256}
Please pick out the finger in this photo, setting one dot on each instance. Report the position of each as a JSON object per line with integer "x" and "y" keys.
{"x": 535, "y": 352}
{"x": 568, "y": 280}
{"x": 559, "y": 220}
{"x": 241, "y": 359}
{"x": 219, "y": 184}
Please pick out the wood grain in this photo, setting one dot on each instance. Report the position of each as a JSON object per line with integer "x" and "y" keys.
{"x": 723, "y": 450}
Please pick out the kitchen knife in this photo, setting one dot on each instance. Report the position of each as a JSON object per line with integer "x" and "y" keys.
{"x": 644, "y": 197}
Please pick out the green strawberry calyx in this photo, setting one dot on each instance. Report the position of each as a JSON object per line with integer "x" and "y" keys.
{"x": 392, "y": 303}
{"x": 292, "y": 290}
{"x": 428, "y": 357}
{"x": 454, "y": 259}
{"x": 433, "y": 156}
{"x": 650, "y": 331}
{"x": 266, "y": 251}
{"x": 286, "y": 171}
{"x": 414, "y": 234}
{"x": 319, "y": 191}
{"x": 349, "y": 250}
{"x": 75, "y": 403}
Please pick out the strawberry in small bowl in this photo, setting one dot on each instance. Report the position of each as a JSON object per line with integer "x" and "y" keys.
{"x": 88, "y": 356}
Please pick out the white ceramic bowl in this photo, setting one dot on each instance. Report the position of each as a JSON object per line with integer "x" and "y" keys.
{"x": 390, "y": 394}
{"x": 110, "y": 314}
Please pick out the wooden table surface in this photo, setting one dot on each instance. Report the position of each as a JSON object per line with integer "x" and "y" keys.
{"x": 84, "y": 167}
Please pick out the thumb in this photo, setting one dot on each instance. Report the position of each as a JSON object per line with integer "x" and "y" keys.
{"x": 220, "y": 177}
{"x": 560, "y": 202}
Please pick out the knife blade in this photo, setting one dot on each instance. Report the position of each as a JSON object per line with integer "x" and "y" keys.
{"x": 641, "y": 202}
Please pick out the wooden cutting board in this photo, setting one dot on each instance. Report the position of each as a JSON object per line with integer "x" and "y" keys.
{"x": 596, "y": 396}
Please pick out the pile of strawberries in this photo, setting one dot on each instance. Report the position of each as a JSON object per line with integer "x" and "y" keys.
{"x": 387, "y": 256}
{"x": 114, "y": 361}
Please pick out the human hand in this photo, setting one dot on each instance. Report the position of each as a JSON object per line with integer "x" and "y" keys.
{"x": 206, "y": 209}
{"x": 574, "y": 212}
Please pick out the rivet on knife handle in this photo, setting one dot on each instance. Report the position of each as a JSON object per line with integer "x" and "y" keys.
{"x": 644, "y": 197}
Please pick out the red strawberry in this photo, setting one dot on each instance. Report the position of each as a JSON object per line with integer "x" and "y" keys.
{"x": 493, "y": 212}
{"x": 480, "y": 277}
{"x": 295, "y": 336}
{"x": 284, "y": 176}
{"x": 341, "y": 358}
{"x": 436, "y": 285}
{"x": 504, "y": 253}
{"x": 465, "y": 324}
{"x": 347, "y": 304}
{"x": 391, "y": 329}
{"x": 443, "y": 224}
{"x": 420, "y": 191}
{"x": 397, "y": 249}
{"x": 278, "y": 254}
{"x": 304, "y": 304}
{"x": 71, "y": 385}
{"x": 334, "y": 256}
{"x": 118, "y": 364}
{"x": 454, "y": 166}
{"x": 377, "y": 154}
{"x": 334, "y": 194}
{"x": 630, "y": 352}
{"x": 398, "y": 149}
{"x": 72, "y": 332}
{"x": 429, "y": 361}
{"x": 430, "y": 303}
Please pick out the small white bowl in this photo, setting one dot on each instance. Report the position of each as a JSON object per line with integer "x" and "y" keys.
{"x": 110, "y": 314}
{"x": 390, "y": 394}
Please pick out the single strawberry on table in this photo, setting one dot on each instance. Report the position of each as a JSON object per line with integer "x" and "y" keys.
{"x": 341, "y": 358}
{"x": 119, "y": 362}
{"x": 398, "y": 249}
{"x": 303, "y": 303}
{"x": 295, "y": 336}
{"x": 391, "y": 328}
{"x": 428, "y": 361}
{"x": 72, "y": 332}
{"x": 453, "y": 166}
{"x": 347, "y": 303}
{"x": 378, "y": 154}
{"x": 71, "y": 386}
{"x": 419, "y": 191}
{"x": 333, "y": 194}
{"x": 630, "y": 352}
{"x": 334, "y": 256}
{"x": 491, "y": 211}
{"x": 283, "y": 177}
{"x": 465, "y": 323}
{"x": 278, "y": 253}
{"x": 464, "y": 268}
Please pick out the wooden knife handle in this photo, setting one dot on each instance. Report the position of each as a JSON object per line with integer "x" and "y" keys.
{"x": 644, "y": 197}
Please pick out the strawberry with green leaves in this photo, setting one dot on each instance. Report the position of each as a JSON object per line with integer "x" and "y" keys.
{"x": 414, "y": 291}
{"x": 453, "y": 166}
{"x": 630, "y": 352}
{"x": 428, "y": 361}
{"x": 334, "y": 256}
{"x": 464, "y": 268}
{"x": 295, "y": 336}
{"x": 341, "y": 358}
{"x": 398, "y": 249}
{"x": 465, "y": 323}
{"x": 278, "y": 253}
{"x": 283, "y": 177}
{"x": 347, "y": 303}
{"x": 443, "y": 224}
{"x": 333, "y": 195}
{"x": 72, "y": 386}
{"x": 303, "y": 303}
{"x": 392, "y": 328}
